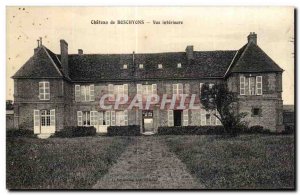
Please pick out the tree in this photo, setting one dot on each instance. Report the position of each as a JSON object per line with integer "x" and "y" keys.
{"x": 219, "y": 98}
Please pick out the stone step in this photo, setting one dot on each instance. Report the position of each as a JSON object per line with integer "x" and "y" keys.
{"x": 43, "y": 135}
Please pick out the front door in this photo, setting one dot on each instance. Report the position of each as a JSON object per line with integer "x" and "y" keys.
{"x": 148, "y": 121}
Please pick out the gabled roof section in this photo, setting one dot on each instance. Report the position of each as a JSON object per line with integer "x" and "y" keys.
{"x": 251, "y": 58}
{"x": 43, "y": 64}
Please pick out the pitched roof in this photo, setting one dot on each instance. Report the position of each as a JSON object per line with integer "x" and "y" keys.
{"x": 251, "y": 58}
{"x": 43, "y": 64}
{"x": 103, "y": 67}
{"x": 96, "y": 67}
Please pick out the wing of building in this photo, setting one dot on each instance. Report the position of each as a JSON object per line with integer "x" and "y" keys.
{"x": 52, "y": 91}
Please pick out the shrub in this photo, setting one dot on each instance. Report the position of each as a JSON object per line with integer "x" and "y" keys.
{"x": 131, "y": 130}
{"x": 76, "y": 131}
{"x": 257, "y": 129}
{"x": 13, "y": 132}
{"x": 191, "y": 130}
{"x": 289, "y": 129}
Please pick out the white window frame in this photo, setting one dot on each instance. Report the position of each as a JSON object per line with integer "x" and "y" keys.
{"x": 178, "y": 88}
{"x": 252, "y": 92}
{"x": 242, "y": 85}
{"x": 179, "y": 65}
{"x": 125, "y": 66}
{"x": 44, "y": 86}
{"x": 84, "y": 93}
{"x": 141, "y": 66}
{"x": 159, "y": 66}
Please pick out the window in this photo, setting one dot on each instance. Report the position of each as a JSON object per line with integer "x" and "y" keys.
{"x": 256, "y": 112}
{"x": 160, "y": 66}
{"x": 84, "y": 93}
{"x": 178, "y": 88}
{"x": 251, "y": 85}
{"x": 117, "y": 90}
{"x": 44, "y": 121}
{"x": 44, "y": 90}
{"x": 242, "y": 85}
{"x": 86, "y": 119}
{"x": 146, "y": 90}
{"x": 116, "y": 118}
{"x": 141, "y": 66}
{"x": 125, "y": 66}
{"x": 45, "y": 117}
{"x": 179, "y": 65}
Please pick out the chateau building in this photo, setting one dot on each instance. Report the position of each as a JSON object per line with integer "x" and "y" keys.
{"x": 52, "y": 91}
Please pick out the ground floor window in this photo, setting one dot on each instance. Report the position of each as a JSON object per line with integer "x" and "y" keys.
{"x": 178, "y": 117}
{"x": 110, "y": 118}
{"x": 208, "y": 118}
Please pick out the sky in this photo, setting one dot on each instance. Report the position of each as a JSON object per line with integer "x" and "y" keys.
{"x": 206, "y": 28}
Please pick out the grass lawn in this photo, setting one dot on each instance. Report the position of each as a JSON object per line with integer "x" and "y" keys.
{"x": 244, "y": 162}
{"x": 60, "y": 163}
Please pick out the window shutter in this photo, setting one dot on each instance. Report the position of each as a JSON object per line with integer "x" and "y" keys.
{"x": 52, "y": 117}
{"x": 170, "y": 118}
{"x": 107, "y": 118}
{"x": 259, "y": 85}
{"x": 113, "y": 118}
{"x": 36, "y": 121}
{"x": 77, "y": 93}
{"x": 242, "y": 85}
{"x": 185, "y": 117}
{"x": 111, "y": 91}
{"x": 41, "y": 90}
{"x": 203, "y": 117}
{"x": 174, "y": 88}
{"x": 154, "y": 89}
{"x": 125, "y": 89}
{"x": 100, "y": 118}
{"x": 187, "y": 88}
{"x": 79, "y": 118}
{"x": 139, "y": 89}
{"x": 92, "y": 92}
{"x": 201, "y": 84}
{"x": 126, "y": 117}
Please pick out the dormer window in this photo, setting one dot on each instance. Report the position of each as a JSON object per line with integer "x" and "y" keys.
{"x": 125, "y": 66}
{"x": 179, "y": 65}
{"x": 160, "y": 66}
{"x": 141, "y": 66}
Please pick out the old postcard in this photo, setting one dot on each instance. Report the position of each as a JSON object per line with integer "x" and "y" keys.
{"x": 150, "y": 98}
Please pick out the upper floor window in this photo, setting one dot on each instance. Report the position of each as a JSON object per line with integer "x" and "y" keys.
{"x": 117, "y": 90}
{"x": 178, "y": 88}
{"x": 251, "y": 85}
{"x": 146, "y": 89}
{"x": 141, "y": 66}
{"x": 179, "y": 65}
{"x": 160, "y": 66}
{"x": 44, "y": 90}
{"x": 125, "y": 66}
{"x": 84, "y": 93}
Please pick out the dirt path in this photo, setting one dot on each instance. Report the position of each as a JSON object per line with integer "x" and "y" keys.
{"x": 148, "y": 164}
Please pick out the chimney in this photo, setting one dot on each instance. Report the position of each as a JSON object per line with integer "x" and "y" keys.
{"x": 252, "y": 37}
{"x": 64, "y": 56}
{"x": 80, "y": 51}
{"x": 41, "y": 43}
{"x": 189, "y": 52}
{"x": 38, "y": 46}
